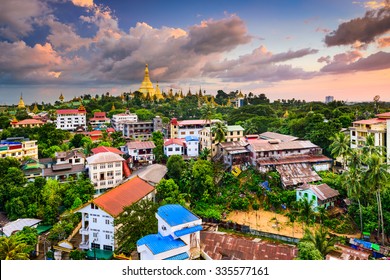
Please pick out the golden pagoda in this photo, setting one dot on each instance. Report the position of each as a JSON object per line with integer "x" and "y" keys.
{"x": 240, "y": 95}
{"x": 82, "y": 108}
{"x": 158, "y": 93}
{"x": 170, "y": 94}
{"x": 113, "y": 107}
{"x": 35, "y": 110}
{"x": 146, "y": 85}
{"x": 286, "y": 114}
{"x": 61, "y": 98}
{"x": 229, "y": 103}
{"x": 21, "y": 104}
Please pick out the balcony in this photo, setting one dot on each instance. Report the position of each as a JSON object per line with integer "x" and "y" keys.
{"x": 84, "y": 245}
{"x": 84, "y": 231}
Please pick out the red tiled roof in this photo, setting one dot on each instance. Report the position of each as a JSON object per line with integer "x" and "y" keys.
{"x": 103, "y": 149}
{"x": 95, "y": 133}
{"x": 140, "y": 145}
{"x": 114, "y": 200}
{"x": 384, "y": 115}
{"x": 70, "y": 111}
{"x": 110, "y": 129}
{"x": 29, "y": 121}
{"x": 371, "y": 121}
{"x": 99, "y": 115}
{"x": 174, "y": 141}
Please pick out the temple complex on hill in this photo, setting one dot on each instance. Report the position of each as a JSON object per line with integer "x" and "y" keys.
{"x": 147, "y": 88}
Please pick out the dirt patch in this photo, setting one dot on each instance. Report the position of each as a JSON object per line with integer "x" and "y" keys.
{"x": 271, "y": 222}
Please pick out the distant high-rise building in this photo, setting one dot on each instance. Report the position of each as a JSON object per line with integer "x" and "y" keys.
{"x": 329, "y": 99}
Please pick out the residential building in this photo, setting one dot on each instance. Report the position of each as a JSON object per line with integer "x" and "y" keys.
{"x": 178, "y": 236}
{"x": 72, "y": 119}
{"x": 19, "y": 148}
{"x": 182, "y": 129}
{"x": 66, "y": 164}
{"x": 105, "y": 170}
{"x": 361, "y": 129}
{"x": 31, "y": 123}
{"x": 320, "y": 195}
{"x": 192, "y": 143}
{"x": 118, "y": 120}
{"x": 32, "y": 169}
{"x": 141, "y": 131}
{"x": 234, "y": 153}
{"x": 234, "y": 133}
{"x": 103, "y": 149}
{"x": 379, "y": 127}
{"x": 139, "y": 152}
{"x": 174, "y": 146}
{"x": 99, "y": 119}
{"x": 97, "y": 216}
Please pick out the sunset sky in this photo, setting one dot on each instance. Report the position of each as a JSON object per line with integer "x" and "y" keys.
{"x": 303, "y": 49}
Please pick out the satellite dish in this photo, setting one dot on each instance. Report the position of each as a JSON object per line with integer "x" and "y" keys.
{"x": 376, "y": 98}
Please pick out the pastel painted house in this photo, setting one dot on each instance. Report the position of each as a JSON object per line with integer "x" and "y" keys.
{"x": 178, "y": 236}
{"x": 322, "y": 195}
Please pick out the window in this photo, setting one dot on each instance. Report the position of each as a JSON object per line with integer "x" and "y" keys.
{"x": 107, "y": 236}
{"x": 110, "y": 165}
{"x": 107, "y": 247}
{"x": 94, "y": 220}
{"x": 95, "y": 234}
{"x": 170, "y": 149}
{"x": 118, "y": 164}
{"x": 177, "y": 149}
{"x": 103, "y": 165}
{"x": 183, "y": 133}
{"x": 107, "y": 222}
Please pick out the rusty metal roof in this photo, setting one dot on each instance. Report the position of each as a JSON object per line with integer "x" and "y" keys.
{"x": 298, "y": 173}
{"x": 220, "y": 246}
{"x": 293, "y": 159}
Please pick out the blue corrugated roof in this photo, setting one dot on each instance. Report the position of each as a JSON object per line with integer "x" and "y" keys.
{"x": 191, "y": 138}
{"x": 159, "y": 244}
{"x": 188, "y": 230}
{"x": 175, "y": 214}
{"x": 179, "y": 257}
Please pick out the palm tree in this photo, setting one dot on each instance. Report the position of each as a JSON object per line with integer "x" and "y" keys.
{"x": 12, "y": 249}
{"x": 321, "y": 240}
{"x": 250, "y": 127}
{"x": 322, "y": 213}
{"x": 219, "y": 130}
{"x": 369, "y": 147}
{"x": 353, "y": 181}
{"x": 340, "y": 146}
{"x": 378, "y": 177}
{"x": 306, "y": 211}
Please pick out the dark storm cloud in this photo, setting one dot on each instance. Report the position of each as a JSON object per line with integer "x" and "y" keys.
{"x": 365, "y": 29}
{"x": 217, "y": 36}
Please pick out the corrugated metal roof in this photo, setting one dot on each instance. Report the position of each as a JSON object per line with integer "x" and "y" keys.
{"x": 188, "y": 230}
{"x": 18, "y": 225}
{"x": 140, "y": 145}
{"x": 158, "y": 244}
{"x": 123, "y": 195}
{"x": 260, "y": 145}
{"x": 294, "y": 174}
{"x": 175, "y": 214}
{"x": 179, "y": 257}
{"x": 273, "y": 135}
{"x": 153, "y": 173}
{"x": 293, "y": 159}
{"x": 322, "y": 191}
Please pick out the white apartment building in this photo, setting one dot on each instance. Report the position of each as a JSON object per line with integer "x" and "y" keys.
{"x": 192, "y": 143}
{"x": 361, "y": 129}
{"x": 71, "y": 119}
{"x": 174, "y": 147}
{"x": 105, "y": 171}
{"x": 118, "y": 120}
{"x": 97, "y": 216}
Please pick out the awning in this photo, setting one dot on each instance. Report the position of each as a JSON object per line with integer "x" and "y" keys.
{"x": 189, "y": 230}
{"x": 99, "y": 254}
{"x": 179, "y": 257}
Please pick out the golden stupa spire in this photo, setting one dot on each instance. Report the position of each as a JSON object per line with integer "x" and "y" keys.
{"x": 35, "y": 110}
{"x": 113, "y": 107}
{"x": 21, "y": 104}
{"x": 61, "y": 98}
{"x": 146, "y": 85}
{"x": 158, "y": 93}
